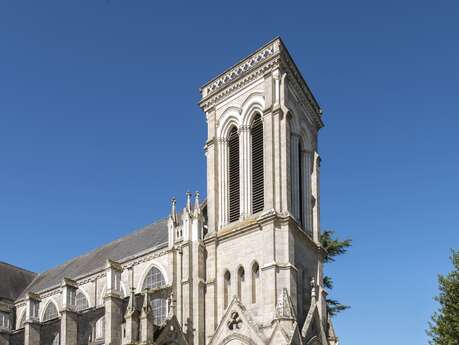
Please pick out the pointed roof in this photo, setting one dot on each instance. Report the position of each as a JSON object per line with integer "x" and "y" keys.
{"x": 284, "y": 307}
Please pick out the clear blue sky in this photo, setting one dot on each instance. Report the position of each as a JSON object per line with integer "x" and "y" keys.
{"x": 99, "y": 127}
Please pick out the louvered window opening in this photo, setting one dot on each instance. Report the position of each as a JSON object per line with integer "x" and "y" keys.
{"x": 300, "y": 187}
{"x": 233, "y": 148}
{"x": 257, "y": 165}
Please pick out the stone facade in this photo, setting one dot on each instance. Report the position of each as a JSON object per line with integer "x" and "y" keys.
{"x": 201, "y": 277}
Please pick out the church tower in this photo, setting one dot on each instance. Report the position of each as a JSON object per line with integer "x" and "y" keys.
{"x": 263, "y": 255}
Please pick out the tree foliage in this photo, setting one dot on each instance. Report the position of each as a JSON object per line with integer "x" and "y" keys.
{"x": 333, "y": 247}
{"x": 444, "y": 326}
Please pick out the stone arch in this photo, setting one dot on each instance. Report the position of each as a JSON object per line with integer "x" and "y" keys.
{"x": 254, "y": 103}
{"x": 21, "y": 320}
{"x": 82, "y": 291}
{"x": 230, "y": 117}
{"x": 147, "y": 270}
{"x": 237, "y": 339}
{"x": 254, "y": 281}
{"x": 240, "y": 281}
{"x": 226, "y": 288}
{"x": 48, "y": 304}
{"x": 300, "y": 129}
{"x": 314, "y": 341}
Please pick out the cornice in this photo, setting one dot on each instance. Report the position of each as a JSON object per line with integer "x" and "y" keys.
{"x": 272, "y": 55}
{"x": 241, "y": 68}
{"x": 238, "y": 82}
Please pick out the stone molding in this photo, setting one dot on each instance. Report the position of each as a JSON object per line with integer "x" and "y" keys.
{"x": 242, "y": 68}
{"x": 271, "y": 56}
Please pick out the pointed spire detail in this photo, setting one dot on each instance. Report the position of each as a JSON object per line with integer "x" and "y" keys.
{"x": 173, "y": 210}
{"x": 146, "y": 304}
{"x": 188, "y": 202}
{"x": 172, "y": 302}
{"x": 197, "y": 206}
{"x": 284, "y": 308}
{"x": 313, "y": 289}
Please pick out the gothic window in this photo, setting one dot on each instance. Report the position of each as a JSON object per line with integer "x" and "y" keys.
{"x": 255, "y": 281}
{"x": 4, "y": 320}
{"x": 297, "y": 178}
{"x": 81, "y": 301}
{"x": 240, "y": 281}
{"x": 100, "y": 328}
{"x": 154, "y": 279}
{"x": 256, "y": 132}
{"x": 301, "y": 182}
{"x": 159, "y": 310}
{"x": 233, "y": 170}
{"x": 158, "y": 304}
{"x": 226, "y": 288}
{"x": 50, "y": 312}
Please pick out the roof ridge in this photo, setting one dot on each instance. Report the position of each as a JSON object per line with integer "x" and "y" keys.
{"x": 103, "y": 246}
{"x": 20, "y": 268}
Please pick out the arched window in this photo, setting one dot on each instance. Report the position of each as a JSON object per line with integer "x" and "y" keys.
{"x": 256, "y": 131}
{"x": 301, "y": 182}
{"x": 233, "y": 175}
{"x": 100, "y": 328}
{"x": 155, "y": 280}
{"x": 240, "y": 281}
{"x": 81, "y": 301}
{"x": 297, "y": 178}
{"x": 50, "y": 312}
{"x": 255, "y": 279}
{"x": 226, "y": 288}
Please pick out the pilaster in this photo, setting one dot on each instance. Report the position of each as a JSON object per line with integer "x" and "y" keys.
{"x": 32, "y": 324}
{"x": 132, "y": 314}
{"x": 113, "y": 303}
{"x": 69, "y": 317}
{"x": 146, "y": 321}
{"x": 212, "y": 172}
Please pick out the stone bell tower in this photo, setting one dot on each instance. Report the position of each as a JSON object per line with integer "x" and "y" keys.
{"x": 262, "y": 191}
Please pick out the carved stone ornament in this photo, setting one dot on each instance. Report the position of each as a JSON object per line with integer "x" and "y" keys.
{"x": 235, "y": 321}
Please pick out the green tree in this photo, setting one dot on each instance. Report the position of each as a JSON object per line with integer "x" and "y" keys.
{"x": 333, "y": 247}
{"x": 444, "y": 326}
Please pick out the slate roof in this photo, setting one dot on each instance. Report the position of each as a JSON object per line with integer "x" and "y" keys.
{"x": 13, "y": 280}
{"x": 149, "y": 237}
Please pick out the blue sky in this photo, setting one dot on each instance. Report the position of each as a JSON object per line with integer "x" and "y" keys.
{"x": 99, "y": 128}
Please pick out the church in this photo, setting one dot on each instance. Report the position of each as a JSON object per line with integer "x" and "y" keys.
{"x": 243, "y": 266}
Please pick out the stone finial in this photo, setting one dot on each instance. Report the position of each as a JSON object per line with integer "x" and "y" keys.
{"x": 284, "y": 308}
{"x": 173, "y": 210}
{"x": 172, "y": 305}
{"x": 197, "y": 206}
{"x": 146, "y": 304}
{"x": 188, "y": 202}
{"x": 313, "y": 288}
